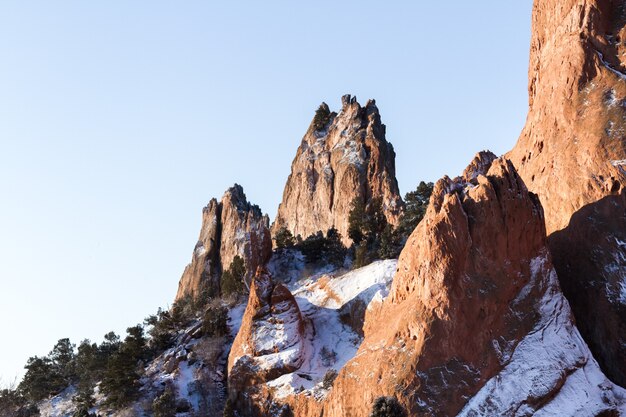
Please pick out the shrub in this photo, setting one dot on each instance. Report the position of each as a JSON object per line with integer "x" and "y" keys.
{"x": 120, "y": 382}
{"x": 387, "y": 407}
{"x": 329, "y": 248}
{"x": 322, "y": 117}
{"x": 371, "y": 234}
{"x": 232, "y": 279}
{"x": 165, "y": 404}
{"x": 361, "y": 255}
{"x": 215, "y": 320}
{"x": 329, "y": 379}
{"x": 284, "y": 239}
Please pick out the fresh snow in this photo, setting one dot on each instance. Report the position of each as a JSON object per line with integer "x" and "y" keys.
{"x": 552, "y": 360}
{"x": 330, "y": 343}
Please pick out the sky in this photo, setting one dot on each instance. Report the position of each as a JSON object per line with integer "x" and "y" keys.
{"x": 120, "y": 120}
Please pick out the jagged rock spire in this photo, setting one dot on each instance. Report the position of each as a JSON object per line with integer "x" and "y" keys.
{"x": 347, "y": 158}
{"x": 231, "y": 227}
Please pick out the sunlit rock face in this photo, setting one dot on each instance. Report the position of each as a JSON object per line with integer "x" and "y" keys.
{"x": 231, "y": 227}
{"x": 348, "y": 158}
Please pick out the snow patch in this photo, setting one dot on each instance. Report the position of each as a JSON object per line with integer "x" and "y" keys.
{"x": 553, "y": 360}
{"x": 329, "y": 342}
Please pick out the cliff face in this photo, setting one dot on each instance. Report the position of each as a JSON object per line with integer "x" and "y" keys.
{"x": 230, "y": 227}
{"x": 572, "y": 153}
{"x": 348, "y": 158}
{"x": 464, "y": 295}
{"x": 474, "y": 324}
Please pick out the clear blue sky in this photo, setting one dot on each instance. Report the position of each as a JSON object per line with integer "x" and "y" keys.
{"x": 120, "y": 120}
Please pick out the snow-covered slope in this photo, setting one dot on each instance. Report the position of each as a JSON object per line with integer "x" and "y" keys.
{"x": 330, "y": 340}
{"x": 552, "y": 362}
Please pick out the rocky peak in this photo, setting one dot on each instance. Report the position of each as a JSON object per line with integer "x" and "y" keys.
{"x": 349, "y": 158}
{"x": 231, "y": 227}
{"x": 572, "y": 154}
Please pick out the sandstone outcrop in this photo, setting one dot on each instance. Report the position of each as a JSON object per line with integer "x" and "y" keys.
{"x": 572, "y": 153}
{"x": 270, "y": 342}
{"x": 231, "y": 227}
{"x": 346, "y": 159}
{"x": 475, "y": 322}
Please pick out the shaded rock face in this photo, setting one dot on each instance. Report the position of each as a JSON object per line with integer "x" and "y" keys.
{"x": 592, "y": 256}
{"x": 231, "y": 227}
{"x": 572, "y": 153}
{"x": 270, "y": 343}
{"x": 350, "y": 158}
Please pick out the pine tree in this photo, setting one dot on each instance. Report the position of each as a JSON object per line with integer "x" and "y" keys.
{"x": 334, "y": 249}
{"x": 322, "y": 117}
{"x": 120, "y": 382}
{"x": 165, "y": 404}
{"x": 41, "y": 379}
{"x": 232, "y": 279}
{"x": 284, "y": 239}
{"x": 355, "y": 220}
{"x": 62, "y": 358}
{"x": 416, "y": 203}
{"x": 215, "y": 320}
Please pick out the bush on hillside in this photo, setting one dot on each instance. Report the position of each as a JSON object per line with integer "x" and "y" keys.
{"x": 387, "y": 407}
{"x": 284, "y": 239}
{"x": 232, "y": 279}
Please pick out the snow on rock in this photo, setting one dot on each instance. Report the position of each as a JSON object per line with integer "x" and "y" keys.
{"x": 329, "y": 341}
{"x": 269, "y": 342}
{"x": 552, "y": 362}
{"x": 60, "y": 405}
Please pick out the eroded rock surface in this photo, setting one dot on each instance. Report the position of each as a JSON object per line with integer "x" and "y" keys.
{"x": 270, "y": 342}
{"x": 475, "y": 322}
{"x": 231, "y": 227}
{"x": 349, "y": 158}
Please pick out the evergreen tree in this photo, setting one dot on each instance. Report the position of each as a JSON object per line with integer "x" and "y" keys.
{"x": 89, "y": 368}
{"x": 40, "y": 380}
{"x": 370, "y": 232}
{"x": 416, "y": 203}
{"x": 361, "y": 255}
{"x": 322, "y": 117}
{"x": 232, "y": 279}
{"x": 284, "y": 239}
{"x": 334, "y": 249}
{"x": 312, "y": 247}
{"x": 356, "y": 221}
{"x": 165, "y": 404}
{"x": 161, "y": 330}
{"x": 215, "y": 320}
{"x": 329, "y": 248}
{"x": 120, "y": 382}
{"x": 62, "y": 358}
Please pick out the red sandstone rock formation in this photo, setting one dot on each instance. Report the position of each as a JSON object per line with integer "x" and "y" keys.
{"x": 269, "y": 343}
{"x": 348, "y": 158}
{"x": 475, "y": 321}
{"x": 229, "y": 228}
{"x": 572, "y": 153}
